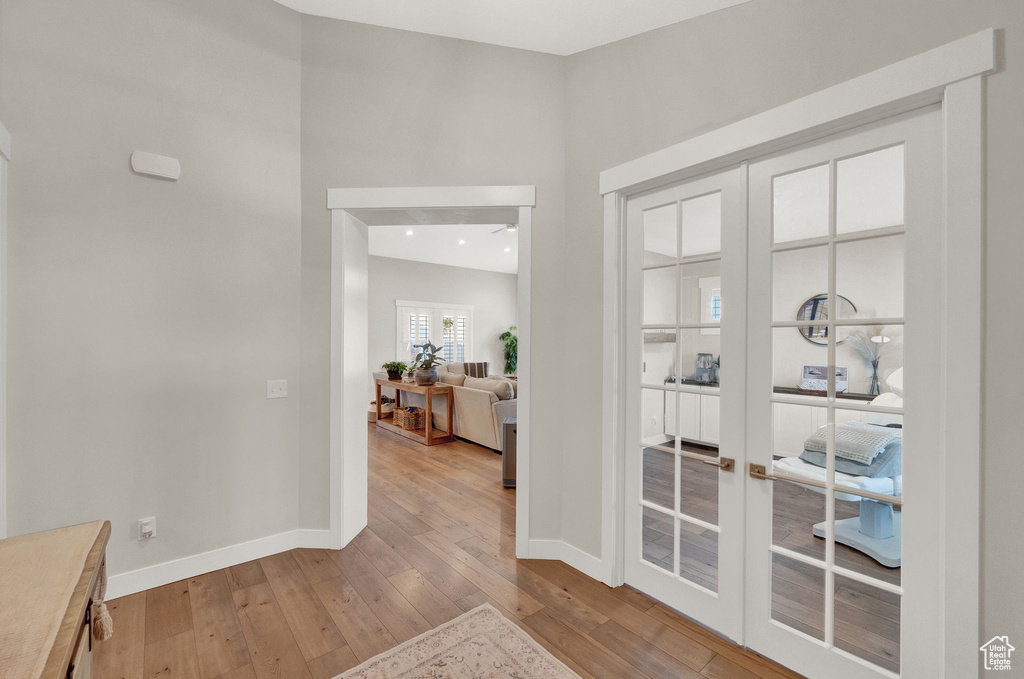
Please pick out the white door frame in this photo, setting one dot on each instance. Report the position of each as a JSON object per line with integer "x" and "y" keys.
{"x": 5, "y": 159}
{"x": 349, "y": 340}
{"x": 951, "y": 75}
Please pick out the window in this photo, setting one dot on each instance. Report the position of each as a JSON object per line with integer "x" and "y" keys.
{"x": 710, "y": 303}
{"x": 448, "y": 326}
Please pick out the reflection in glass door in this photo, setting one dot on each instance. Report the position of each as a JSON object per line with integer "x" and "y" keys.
{"x": 684, "y": 522}
{"x": 841, "y": 488}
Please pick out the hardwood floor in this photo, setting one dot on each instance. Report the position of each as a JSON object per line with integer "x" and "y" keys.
{"x": 440, "y": 541}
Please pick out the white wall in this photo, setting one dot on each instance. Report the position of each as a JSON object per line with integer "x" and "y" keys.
{"x": 492, "y": 295}
{"x": 644, "y": 93}
{"x": 383, "y": 107}
{"x": 145, "y": 316}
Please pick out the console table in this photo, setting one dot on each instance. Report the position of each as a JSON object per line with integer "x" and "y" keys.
{"x": 428, "y": 435}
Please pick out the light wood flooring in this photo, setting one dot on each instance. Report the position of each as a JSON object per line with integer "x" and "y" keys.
{"x": 867, "y": 619}
{"x": 440, "y": 541}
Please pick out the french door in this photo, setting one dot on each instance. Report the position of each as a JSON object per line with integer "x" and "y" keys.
{"x": 769, "y": 498}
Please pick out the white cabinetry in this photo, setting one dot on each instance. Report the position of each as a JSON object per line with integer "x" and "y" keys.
{"x": 698, "y": 416}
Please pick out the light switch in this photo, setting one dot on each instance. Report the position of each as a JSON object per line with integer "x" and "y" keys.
{"x": 277, "y": 388}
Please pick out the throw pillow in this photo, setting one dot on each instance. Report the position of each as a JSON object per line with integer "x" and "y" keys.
{"x": 452, "y": 378}
{"x": 500, "y": 388}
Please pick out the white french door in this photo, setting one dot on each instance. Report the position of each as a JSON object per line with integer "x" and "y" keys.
{"x": 815, "y": 273}
{"x": 687, "y": 281}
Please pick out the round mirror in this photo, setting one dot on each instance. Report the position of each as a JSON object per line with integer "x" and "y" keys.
{"x": 816, "y": 309}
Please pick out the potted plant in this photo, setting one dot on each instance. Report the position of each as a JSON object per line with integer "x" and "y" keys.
{"x": 395, "y": 369}
{"x": 426, "y": 364}
{"x": 511, "y": 350}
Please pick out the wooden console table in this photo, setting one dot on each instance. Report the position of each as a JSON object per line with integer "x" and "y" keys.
{"x": 428, "y": 435}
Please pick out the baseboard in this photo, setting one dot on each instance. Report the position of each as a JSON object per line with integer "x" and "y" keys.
{"x": 559, "y": 550}
{"x": 157, "y": 575}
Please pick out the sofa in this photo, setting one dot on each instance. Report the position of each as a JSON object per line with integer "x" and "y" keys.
{"x": 481, "y": 404}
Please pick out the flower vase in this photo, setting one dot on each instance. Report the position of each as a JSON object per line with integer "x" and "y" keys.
{"x": 874, "y": 388}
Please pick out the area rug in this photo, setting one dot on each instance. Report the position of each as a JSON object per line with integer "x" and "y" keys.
{"x": 480, "y": 644}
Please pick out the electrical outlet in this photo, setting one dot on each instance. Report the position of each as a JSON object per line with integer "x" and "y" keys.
{"x": 147, "y": 528}
{"x": 277, "y": 388}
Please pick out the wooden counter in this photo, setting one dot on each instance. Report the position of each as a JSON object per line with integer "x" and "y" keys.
{"x": 47, "y": 582}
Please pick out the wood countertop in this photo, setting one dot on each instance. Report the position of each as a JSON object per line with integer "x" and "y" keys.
{"x": 46, "y": 582}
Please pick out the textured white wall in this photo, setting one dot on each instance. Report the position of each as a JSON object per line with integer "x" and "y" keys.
{"x": 145, "y": 316}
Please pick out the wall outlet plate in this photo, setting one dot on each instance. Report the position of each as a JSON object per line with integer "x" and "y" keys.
{"x": 147, "y": 528}
{"x": 277, "y": 388}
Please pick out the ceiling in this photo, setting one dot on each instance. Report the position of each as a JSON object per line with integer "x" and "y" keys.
{"x": 439, "y": 244}
{"x": 554, "y": 26}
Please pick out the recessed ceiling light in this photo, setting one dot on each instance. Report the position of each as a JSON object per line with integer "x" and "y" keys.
{"x": 409, "y": 232}
{"x": 508, "y": 249}
{"x": 462, "y": 242}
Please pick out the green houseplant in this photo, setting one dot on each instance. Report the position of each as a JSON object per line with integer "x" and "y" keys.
{"x": 395, "y": 369}
{"x": 426, "y": 364}
{"x": 511, "y": 350}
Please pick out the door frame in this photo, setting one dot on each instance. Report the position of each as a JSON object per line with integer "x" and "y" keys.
{"x": 951, "y": 75}
{"x": 349, "y": 371}
{"x": 5, "y": 159}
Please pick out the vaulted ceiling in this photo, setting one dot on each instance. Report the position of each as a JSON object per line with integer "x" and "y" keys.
{"x": 554, "y": 26}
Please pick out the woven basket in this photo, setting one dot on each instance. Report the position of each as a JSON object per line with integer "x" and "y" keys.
{"x": 410, "y": 420}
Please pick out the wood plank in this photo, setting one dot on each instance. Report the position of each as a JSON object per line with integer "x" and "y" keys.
{"x": 243, "y": 672}
{"x": 122, "y": 656}
{"x": 245, "y": 575}
{"x": 397, "y": 514}
{"x": 366, "y": 635}
{"x": 172, "y": 658}
{"x": 309, "y": 621}
{"x": 332, "y": 664}
{"x": 316, "y": 565}
{"x": 592, "y": 656}
{"x": 220, "y": 643}
{"x": 273, "y": 649}
{"x": 511, "y": 597}
{"x": 431, "y": 602}
{"x": 433, "y": 568}
{"x": 168, "y": 612}
{"x": 641, "y": 654}
{"x": 396, "y": 613}
{"x": 384, "y": 558}
{"x": 721, "y": 667}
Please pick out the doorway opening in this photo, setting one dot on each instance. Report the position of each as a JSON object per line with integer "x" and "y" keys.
{"x": 356, "y": 211}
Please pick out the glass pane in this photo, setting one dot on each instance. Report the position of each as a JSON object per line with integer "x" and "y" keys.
{"x": 659, "y": 477}
{"x": 870, "y": 352}
{"x": 657, "y": 413}
{"x": 699, "y": 354}
{"x": 798, "y": 596}
{"x": 869, "y": 191}
{"x": 798, "y": 518}
{"x": 869, "y": 273}
{"x": 794, "y": 429}
{"x": 657, "y": 538}
{"x": 700, "y": 284}
{"x": 800, "y": 204}
{"x": 800, "y": 284}
{"x": 698, "y": 555}
{"x": 798, "y": 365}
{"x": 702, "y": 225}
{"x": 698, "y": 485}
{"x": 660, "y": 296}
{"x": 659, "y": 354}
{"x": 682, "y": 415}
{"x": 867, "y": 623}
{"x": 661, "y": 240}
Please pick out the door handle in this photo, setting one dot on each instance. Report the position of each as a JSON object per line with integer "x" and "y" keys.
{"x": 757, "y": 471}
{"x": 726, "y": 464}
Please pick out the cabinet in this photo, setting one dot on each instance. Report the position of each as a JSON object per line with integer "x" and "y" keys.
{"x": 697, "y": 420}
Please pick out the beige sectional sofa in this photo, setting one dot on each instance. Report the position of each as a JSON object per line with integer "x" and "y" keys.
{"x": 481, "y": 405}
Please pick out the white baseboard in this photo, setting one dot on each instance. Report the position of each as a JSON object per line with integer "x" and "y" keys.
{"x": 559, "y": 550}
{"x": 142, "y": 579}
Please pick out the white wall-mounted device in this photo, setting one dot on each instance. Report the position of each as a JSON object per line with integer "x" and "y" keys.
{"x": 156, "y": 166}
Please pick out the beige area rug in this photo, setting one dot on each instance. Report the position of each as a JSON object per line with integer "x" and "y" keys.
{"x": 480, "y": 644}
